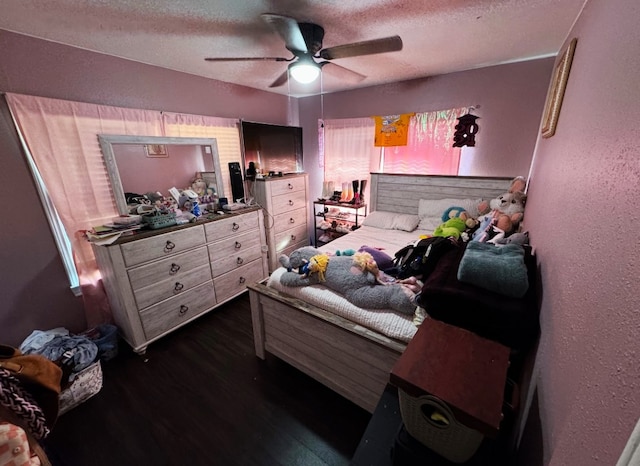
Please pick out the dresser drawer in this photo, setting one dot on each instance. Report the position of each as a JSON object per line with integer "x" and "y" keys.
{"x": 159, "y": 291}
{"x": 170, "y": 268}
{"x": 289, "y": 220}
{"x": 221, "y": 264}
{"x": 160, "y": 246}
{"x": 234, "y": 282}
{"x": 174, "y": 311}
{"x": 292, "y": 236}
{"x": 232, "y": 226}
{"x": 289, "y": 201}
{"x": 287, "y": 185}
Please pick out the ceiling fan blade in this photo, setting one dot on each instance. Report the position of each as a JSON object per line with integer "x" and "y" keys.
{"x": 367, "y": 47}
{"x": 341, "y": 72}
{"x": 249, "y": 59}
{"x": 280, "y": 80}
{"x": 289, "y": 31}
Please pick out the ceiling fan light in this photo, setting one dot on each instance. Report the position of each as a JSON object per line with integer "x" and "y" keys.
{"x": 304, "y": 73}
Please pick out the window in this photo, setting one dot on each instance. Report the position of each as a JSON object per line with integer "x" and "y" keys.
{"x": 61, "y": 143}
{"x": 349, "y": 149}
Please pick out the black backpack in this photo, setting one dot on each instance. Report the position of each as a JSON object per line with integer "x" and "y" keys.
{"x": 420, "y": 258}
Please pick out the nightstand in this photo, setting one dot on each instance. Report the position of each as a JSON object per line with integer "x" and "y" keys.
{"x": 464, "y": 372}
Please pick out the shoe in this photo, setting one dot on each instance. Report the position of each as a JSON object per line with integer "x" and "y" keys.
{"x": 356, "y": 195}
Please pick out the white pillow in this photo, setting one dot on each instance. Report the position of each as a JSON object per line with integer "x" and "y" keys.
{"x": 391, "y": 221}
{"x": 434, "y": 208}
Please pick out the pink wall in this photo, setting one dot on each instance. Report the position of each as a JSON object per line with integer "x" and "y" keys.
{"x": 510, "y": 99}
{"x": 34, "y": 288}
{"x": 583, "y": 217}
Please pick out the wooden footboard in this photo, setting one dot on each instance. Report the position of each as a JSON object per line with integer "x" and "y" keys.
{"x": 346, "y": 357}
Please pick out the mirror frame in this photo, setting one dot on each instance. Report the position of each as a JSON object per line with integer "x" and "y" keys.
{"x": 108, "y": 140}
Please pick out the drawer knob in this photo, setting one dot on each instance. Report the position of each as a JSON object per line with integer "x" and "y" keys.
{"x": 292, "y": 220}
{"x": 242, "y": 280}
{"x": 293, "y": 237}
{"x": 239, "y": 261}
{"x": 238, "y": 245}
{"x": 290, "y": 186}
{"x": 235, "y": 226}
{"x": 179, "y": 287}
{"x": 183, "y": 310}
{"x": 174, "y": 269}
{"x": 290, "y": 202}
{"x": 169, "y": 246}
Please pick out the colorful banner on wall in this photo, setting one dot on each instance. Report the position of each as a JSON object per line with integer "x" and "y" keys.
{"x": 392, "y": 130}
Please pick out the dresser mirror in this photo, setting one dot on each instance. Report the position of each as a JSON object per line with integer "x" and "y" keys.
{"x": 142, "y": 164}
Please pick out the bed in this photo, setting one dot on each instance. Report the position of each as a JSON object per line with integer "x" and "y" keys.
{"x": 352, "y": 350}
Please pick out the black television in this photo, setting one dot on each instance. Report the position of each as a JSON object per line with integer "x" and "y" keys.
{"x": 272, "y": 148}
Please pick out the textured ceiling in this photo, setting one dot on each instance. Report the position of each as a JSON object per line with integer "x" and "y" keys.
{"x": 439, "y": 36}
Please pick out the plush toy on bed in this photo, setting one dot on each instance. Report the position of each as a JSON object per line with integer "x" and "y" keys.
{"x": 354, "y": 277}
{"x": 507, "y": 211}
{"x": 452, "y": 227}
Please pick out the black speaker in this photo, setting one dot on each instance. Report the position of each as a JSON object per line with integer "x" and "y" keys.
{"x": 237, "y": 186}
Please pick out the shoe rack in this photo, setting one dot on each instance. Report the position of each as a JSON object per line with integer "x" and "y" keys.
{"x": 335, "y": 219}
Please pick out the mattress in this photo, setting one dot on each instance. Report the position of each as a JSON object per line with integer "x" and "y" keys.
{"x": 388, "y": 322}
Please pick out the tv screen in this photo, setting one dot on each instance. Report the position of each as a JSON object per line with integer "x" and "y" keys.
{"x": 272, "y": 148}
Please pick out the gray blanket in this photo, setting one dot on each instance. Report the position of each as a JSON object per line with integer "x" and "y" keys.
{"x": 499, "y": 269}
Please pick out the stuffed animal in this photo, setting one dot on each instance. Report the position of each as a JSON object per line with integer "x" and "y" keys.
{"x": 316, "y": 264}
{"x": 507, "y": 211}
{"x": 354, "y": 277}
{"x": 452, "y": 227}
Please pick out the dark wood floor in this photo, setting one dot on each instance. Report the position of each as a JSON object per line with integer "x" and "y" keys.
{"x": 204, "y": 398}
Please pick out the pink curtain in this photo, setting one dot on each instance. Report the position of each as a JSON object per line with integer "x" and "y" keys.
{"x": 429, "y": 147}
{"x": 62, "y": 137}
{"x": 224, "y": 130}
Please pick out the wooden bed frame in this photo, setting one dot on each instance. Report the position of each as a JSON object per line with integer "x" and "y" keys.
{"x": 346, "y": 357}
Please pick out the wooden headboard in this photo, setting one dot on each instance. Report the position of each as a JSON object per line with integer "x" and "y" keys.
{"x": 401, "y": 193}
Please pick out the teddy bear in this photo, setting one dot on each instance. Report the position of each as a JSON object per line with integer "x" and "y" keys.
{"x": 354, "y": 277}
{"x": 507, "y": 211}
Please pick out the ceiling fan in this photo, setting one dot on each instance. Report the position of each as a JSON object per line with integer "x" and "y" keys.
{"x": 304, "y": 41}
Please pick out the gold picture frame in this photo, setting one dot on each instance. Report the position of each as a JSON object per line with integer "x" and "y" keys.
{"x": 556, "y": 92}
{"x": 156, "y": 150}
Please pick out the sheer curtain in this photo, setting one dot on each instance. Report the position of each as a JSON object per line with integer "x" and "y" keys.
{"x": 349, "y": 153}
{"x": 61, "y": 137}
{"x": 225, "y": 130}
{"x": 429, "y": 147}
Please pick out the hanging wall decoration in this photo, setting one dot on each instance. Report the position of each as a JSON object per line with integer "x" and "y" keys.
{"x": 466, "y": 130}
{"x": 392, "y": 130}
{"x": 556, "y": 91}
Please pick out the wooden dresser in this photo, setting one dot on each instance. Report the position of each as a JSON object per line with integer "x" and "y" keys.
{"x": 285, "y": 203}
{"x": 159, "y": 281}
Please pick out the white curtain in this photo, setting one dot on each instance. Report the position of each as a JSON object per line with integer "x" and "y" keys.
{"x": 349, "y": 153}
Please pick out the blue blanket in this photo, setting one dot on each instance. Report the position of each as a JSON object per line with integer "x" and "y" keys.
{"x": 500, "y": 269}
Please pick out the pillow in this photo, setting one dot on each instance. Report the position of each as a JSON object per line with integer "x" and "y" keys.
{"x": 434, "y": 208}
{"x": 391, "y": 221}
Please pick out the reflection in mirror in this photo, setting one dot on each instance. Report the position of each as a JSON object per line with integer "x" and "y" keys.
{"x": 143, "y": 164}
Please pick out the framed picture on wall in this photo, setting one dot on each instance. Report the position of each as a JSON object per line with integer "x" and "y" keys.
{"x": 556, "y": 92}
{"x": 156, "y": 150}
